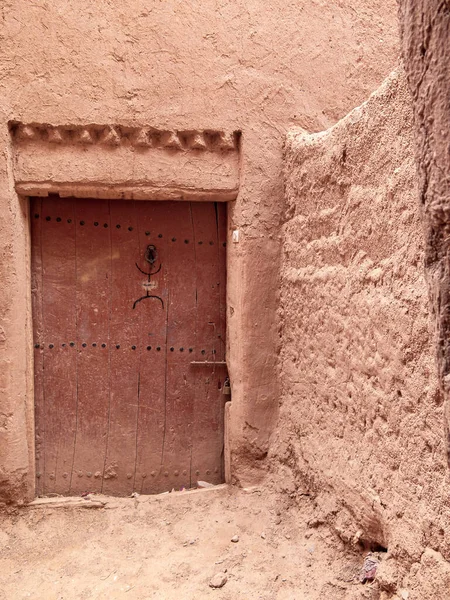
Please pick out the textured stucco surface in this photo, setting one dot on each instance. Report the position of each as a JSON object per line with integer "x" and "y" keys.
{"x": 241, "y": 65}
{"x": 361, "y": 418}
{"x": 425, "y": 31}
{"x": 425, "y": 27}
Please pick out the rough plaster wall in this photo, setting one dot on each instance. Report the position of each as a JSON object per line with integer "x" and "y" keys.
{"x": 426, "y": 47}
{"x": 361, "y": 419}
{"x": 425, "y": 29}
{"x": 243, "y": 64}
{"x": 16, "y": 425}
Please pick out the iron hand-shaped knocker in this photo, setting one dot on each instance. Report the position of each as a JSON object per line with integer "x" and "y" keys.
{"x": 150, "y": 256}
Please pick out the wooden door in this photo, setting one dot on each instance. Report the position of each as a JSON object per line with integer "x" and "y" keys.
{"x": 129, "y": 344}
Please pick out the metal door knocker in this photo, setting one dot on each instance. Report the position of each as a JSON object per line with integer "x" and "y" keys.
{"x": 150, "y": 255}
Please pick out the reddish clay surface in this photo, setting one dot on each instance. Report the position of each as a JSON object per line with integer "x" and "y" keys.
{"x": 361, "y": 423}
{"x": 174, "y": 67}
{"x": 425, "y": 30}
{"x": 172, "y": 546}
{"x": 331, "y": 346}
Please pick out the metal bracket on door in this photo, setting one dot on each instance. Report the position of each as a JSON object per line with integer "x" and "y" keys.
{"x": 198, "y": 363}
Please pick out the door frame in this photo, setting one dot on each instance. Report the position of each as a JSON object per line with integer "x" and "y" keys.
{"x": 85, "y": 157}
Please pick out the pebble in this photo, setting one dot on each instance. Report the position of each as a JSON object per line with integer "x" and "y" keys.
{"x": 263, "y": 535}
{"x": 218, "y": 581}
{"x": 235, "y": 538}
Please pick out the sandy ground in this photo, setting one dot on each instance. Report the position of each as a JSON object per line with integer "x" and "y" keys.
{"x": 170, "y": 546}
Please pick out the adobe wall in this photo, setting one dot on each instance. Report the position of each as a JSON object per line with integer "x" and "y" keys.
{"x": 231, "y": 66}
{"x": 425, "y": 28}
{"x": 361, "y": 417}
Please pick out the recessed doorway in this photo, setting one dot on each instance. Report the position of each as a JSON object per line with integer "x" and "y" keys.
{"x": 129, "y": 344}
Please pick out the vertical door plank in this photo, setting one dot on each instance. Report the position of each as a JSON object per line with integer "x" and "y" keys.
{"x": 125, "y": 337}
{"x": 59, "y": 358}
{"x": 153, "y": 230}
{"x": 92, "y": 307}
{"x": 176, "y": 460}
{"x": 38, "y": 340}
{"x": 222, "y": 228}
{"x": 207, "y": 453}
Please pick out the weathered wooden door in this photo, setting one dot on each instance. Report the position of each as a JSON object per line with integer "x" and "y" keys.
{"x": 129, "y": 344}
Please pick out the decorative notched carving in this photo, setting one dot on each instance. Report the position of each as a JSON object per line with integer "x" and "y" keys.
{"x": 55, "y": 136}
{"x": 27, "y": 133}
{"x": 117, "y": 135}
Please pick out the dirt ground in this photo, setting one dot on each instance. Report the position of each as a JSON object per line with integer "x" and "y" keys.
{"x": 170, "y": 546}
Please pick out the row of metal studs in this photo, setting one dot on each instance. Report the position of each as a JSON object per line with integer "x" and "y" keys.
{"x": 130, "y": 228}
{"x": 94, "y": 345}
{"x": 98, "y": 474}
{"x": 96, "y": 223}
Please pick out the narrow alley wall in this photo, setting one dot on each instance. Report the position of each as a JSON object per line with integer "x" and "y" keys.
{"x": 361, "y": 424}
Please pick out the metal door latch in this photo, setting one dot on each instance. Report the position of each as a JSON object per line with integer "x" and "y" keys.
{"x": 226, "y": 390}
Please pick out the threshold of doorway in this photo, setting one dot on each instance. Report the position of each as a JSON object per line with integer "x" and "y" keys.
{"x": 102, "y": 501}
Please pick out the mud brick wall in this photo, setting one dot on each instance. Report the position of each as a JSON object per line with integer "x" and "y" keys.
{"x": 177, "y": 66}
{"x": 361, "y": 424}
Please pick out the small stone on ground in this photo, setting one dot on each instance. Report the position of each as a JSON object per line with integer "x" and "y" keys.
{"x": 218, "y": 581}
